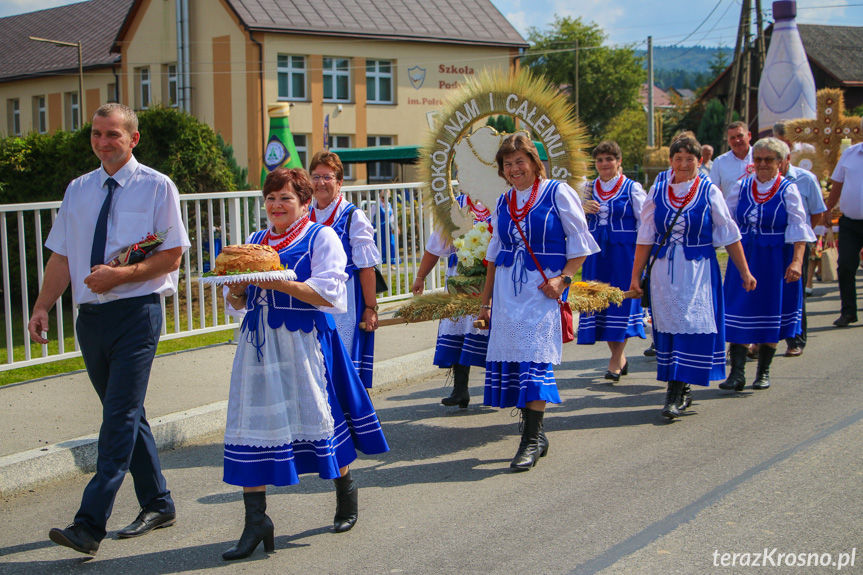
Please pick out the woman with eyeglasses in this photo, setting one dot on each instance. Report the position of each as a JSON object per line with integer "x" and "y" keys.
{"x": 769, "y": 211}
{"x": 296, "y": 403}
{"x": 683, "y": 221}
{"x": 355, "y": 231}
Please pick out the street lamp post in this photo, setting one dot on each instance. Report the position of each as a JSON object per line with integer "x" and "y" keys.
{"x": 80, "y": 73}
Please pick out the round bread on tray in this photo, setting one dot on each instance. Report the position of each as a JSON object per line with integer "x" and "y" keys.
{"x": 247, "y": 258}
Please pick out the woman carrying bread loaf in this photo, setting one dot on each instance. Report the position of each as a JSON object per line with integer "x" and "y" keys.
{"x": 296, "y": 403}
{"x": 358, "y": 239}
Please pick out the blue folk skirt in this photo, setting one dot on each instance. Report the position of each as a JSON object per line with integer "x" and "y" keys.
{"x": 356, "y": 428}
{"x": 773, "y": 311}
{"x": 698, "y": 358}
{"x": 613, "y": 265}
{"x": 514, "y": 384}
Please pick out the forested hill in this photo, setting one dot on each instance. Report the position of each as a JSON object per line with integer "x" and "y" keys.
{"x": 685, "y": 67}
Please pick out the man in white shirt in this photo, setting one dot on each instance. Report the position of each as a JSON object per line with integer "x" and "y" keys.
{"x": 813, "y": 204}
{"x": 847, "y": 191}
{"x": 736, "y": 163}
{"x": 119, "y": 316}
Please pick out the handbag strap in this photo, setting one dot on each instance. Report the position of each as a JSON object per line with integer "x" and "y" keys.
{"x": 532, "y": 255}
{"x": 664, "y": 239}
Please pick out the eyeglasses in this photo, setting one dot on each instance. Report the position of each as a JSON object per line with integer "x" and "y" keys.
{"x": 327, "y": 179}
{"x": 769, "y": 160}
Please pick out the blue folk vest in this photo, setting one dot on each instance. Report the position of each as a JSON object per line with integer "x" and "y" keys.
{"x": 341, "y": 228}
{"x": 698, "y": 235}
{"x": 771, "y": 216}
{"x": 285, "y": 310}
{"x": 622, "y": 226}
{"x": 542, "y": 227}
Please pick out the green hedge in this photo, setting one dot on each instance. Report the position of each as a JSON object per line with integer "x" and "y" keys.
{"x": 39, "y": 167}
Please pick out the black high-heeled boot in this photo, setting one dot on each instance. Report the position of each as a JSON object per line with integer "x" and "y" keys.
{"x": 347, "y": 503}
{"x": 762, "y": 374}
{"x": 531, "y": 447}
{"x": 685, "y": 397}
{"x": 259, "y": 527}
{"x": 737, "y": 378}
{"x": 672, "y": 399}
{"x": 459, "y": 395}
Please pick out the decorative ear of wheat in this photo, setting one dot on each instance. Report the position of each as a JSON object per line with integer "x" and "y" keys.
{"x": 584, "y": 297}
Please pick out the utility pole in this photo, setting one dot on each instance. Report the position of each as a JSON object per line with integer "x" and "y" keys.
{"x": 651, "y": 137}
{"x": 577, "y": 115}
{"x": 740, "y": 49}
{"x": 746, "y": 64}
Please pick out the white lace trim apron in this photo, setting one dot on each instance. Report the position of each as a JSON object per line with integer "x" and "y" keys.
{"x": 282, "y": 398}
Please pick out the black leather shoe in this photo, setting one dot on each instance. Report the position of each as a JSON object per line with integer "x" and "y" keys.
{"x": 76, "y": 537}
{"x": 650, "y": 351}
{"x": 615, "y": 377}
{"x": 146, "y": 522}
{"x": 844, "y": 321}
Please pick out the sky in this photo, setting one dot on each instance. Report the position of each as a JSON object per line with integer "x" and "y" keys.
{"x": 670, "y": 22}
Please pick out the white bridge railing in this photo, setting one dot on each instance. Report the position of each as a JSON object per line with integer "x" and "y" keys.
{"x": 211, "y": 219}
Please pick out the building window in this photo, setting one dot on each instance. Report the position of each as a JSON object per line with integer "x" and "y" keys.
{"x": 144, "y": 83}
{"x": 40, "y": 114}
{"x": 112, "y": 93}
{"x": 292, "y": 77}
{"x": 337, "y": 80}
{"x": 301, "y": 143}
{"x": 336, "y": 143}
{"x": 14, "y": 109}
{"x": 381, "y": 171}
{"x": 72, "y": 117}
{"x": 172, "y": 86}
{"x": 379, "y": 81}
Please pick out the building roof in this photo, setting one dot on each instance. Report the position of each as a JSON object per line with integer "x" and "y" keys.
{"x": 660, "y": 98}
{"x": 838, "y": 50}
{"x": 475, "y": 22}
{"x": 95, "y": 24}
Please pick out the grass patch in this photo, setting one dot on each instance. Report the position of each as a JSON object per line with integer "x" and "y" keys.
{"x": 75, "y": 364}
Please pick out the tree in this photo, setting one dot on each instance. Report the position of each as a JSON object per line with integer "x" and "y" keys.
{"x": 608, "y": 78}
{"x": 718, "y": 63}
{"x": 711, "y": 130}
{"x": 503, "y": 124}
{"x": 629, "y": 130}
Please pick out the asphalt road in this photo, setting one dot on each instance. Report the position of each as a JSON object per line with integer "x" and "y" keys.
{"x": 622, "y": 491}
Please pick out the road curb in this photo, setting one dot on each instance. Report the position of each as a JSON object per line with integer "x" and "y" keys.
{"x": 29, "y": 469}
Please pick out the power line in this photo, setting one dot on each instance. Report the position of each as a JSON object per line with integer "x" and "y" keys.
{"x": 701, "y": 24}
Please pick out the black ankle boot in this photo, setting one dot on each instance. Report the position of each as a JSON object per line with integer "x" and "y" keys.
{"x": 685, "y": 397}
{"x": 737, "y": 378}
{"x": 258, "y": 528}
{"x": 762, "y": 374}
{"x": 532, "y": 446}
{"x": 347, "y": 503}
{"x": 672, "y": 399}
{"x": 459, "y": 395}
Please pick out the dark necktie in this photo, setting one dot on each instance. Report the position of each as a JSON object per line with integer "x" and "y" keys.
{"x": 100, "y": 234}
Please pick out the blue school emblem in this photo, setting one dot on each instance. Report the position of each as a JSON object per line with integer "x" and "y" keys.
{"x": 417, "y": 76}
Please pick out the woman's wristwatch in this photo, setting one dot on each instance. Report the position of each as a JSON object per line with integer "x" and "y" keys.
{"x": 372, "y": 307}
{"x": 567, "y": 280}
{"x": 236, "y": 296}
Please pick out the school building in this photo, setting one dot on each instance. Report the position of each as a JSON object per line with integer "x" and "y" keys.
{"x": 373, "y": 70}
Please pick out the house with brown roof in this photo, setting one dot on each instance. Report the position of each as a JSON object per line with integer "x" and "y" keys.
{"x": 835, "y": 55}
{"x": 39, "y": 80}
{"x": 374, "y": 69}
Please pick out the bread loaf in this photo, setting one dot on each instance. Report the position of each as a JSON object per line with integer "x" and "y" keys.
{"x": 247, "y": 258}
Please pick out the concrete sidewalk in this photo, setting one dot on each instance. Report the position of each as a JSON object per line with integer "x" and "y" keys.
{"x": 49, "y": 427}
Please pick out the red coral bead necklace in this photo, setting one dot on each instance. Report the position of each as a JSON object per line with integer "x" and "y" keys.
{"x": 332, "y": 217}
{"x": 518, "y": 214}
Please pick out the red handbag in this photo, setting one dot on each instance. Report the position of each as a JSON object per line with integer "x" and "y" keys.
{"x": 566, "y": 328}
